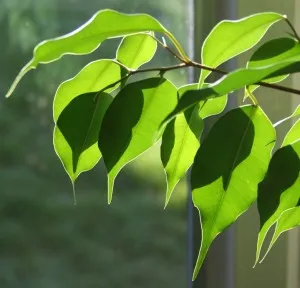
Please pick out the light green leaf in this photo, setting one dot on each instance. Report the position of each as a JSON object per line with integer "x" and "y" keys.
{"x": 103, "y": 25}
{"x": 293, "y": 134}
{"x": 230, "y": 38}
{"x": 130, "y": 125}
{"x": 279, "y": 190}
{"x": 77, "y": 131}
{"x": 288, "y": 220}
{"x": 273, "y": 51}
{"x": 230, "y": 163}
{"x": 136, "y": 50}
{"x": 92, "y": 78}
{"x": 234, "y": 81}
{"x": 295, "y": 113}
{"x": 180, "y": 140}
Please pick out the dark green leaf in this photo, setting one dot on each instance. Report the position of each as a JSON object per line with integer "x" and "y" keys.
{"x": 279, "y": 190}
{"x": 77, "y": 131}
{"x": 130, "y": 125}
{"x": 92, "y": 78}
{"x": 234, "y": 81}
{"x": 271, "y": 52}
{"x": 230, "y": 163}
{"x": 180, "y": 140}
{"x": 231, "y": 38}
{"x": 136, "y": 50}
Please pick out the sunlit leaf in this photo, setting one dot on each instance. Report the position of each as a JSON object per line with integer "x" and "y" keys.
{"x": 295, "y": 114}
{"x": 288, "y": 220}
{"x": 92, "y": 78}
{"x": 230, "y": 163}
{"x": 105, "y": 24}
{"x": 180, "y": 140}
{"x": 231, "y": 38}
{"x": 136, "y": 50}
{"x": 279, "y": 190}
{"x": 293, "y": 134}
{"x": 77, "y": 131}
{"x": 273, "y": 51}
{"x": 234, "y": 81}
{"x": 131, "y": 123}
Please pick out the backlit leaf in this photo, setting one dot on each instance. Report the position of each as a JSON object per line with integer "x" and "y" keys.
{"x": 131, "y": 123}
{"x": 279, "y": 190}
{"x": 288, "y": 220}
{"x": 293, "y": 134}
{"x": 105, "y": 24}
{"x": 180, "y": 140}
{"x": 295, "y": 114}
{"x": 231, "y": 38}
{"x": 273, "y": 51}
{"x": 234, "y": 81}
{"x": 92, "y": 78}
{"x": 77, "y": 131}
{"x": 230, "y": 163}
{"x": 136, "y": 50}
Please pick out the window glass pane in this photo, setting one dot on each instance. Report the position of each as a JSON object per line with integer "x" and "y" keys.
{"x": 45, "y": 240}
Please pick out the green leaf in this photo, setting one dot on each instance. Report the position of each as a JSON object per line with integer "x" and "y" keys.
{"x": 293, "y": 134}
{"x": 180, "y": 140}
{"x": 103, "y": 25}
{"x": 230, "y": 38}
{"x": 92, "y": 78}
{"x": 295, "y": 113}
{"x": 230, "y": 163}
{"x": 279, "y": 190}
{"x": 273, "y": 51}
{"x": 77, "y": 131}
{"x": 234, "y": 81}
{"x": 288, "y": 220}
{"x": 130, "y": 125}
{"x": 136, "y": 50}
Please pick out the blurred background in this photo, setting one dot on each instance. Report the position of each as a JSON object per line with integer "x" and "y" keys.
{"x": 46, "y": 241}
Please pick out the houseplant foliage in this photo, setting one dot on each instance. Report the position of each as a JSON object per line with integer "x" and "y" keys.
{"x": 104, "y": 112}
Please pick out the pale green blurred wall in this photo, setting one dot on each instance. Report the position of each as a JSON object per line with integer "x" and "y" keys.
{"x": 281, "y": 267}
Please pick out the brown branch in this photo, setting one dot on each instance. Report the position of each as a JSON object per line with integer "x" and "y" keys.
{"x": 292, "y": 28}
{"x": 164, "y": 69}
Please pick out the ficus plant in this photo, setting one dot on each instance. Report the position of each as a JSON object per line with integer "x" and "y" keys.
{"x": 104, "y": 112}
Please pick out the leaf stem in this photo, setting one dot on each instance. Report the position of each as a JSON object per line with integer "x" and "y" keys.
{"x": 194, "y": 64}
{"x": 292, "y": 28}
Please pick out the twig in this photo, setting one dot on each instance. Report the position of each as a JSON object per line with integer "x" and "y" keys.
{"x": 168, "y": 48}
{"x": 196, "y": 65}
{"x": 293, "y": 29}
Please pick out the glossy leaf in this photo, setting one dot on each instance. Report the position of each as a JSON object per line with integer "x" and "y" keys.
{"x": 130, "y": 125}
{"x": 295, "y": 114}
{"x": 105, "y": 24}
{"x": 234, "y": 81}
{"x": 230, "y": 38}
{"x": 279, "y": 190}
{"x": 230, "y": 163}
{"x": 180, "y": 140}
{"x": 77, "y": 131}
{"x": 136, "y": 50}
{"x": 288, "y": 220}
{"x": 273, "y": 51}
{"x": 92, "y": 78}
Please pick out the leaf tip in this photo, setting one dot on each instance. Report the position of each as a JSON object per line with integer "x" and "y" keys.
{"x": 110, "y": 187}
